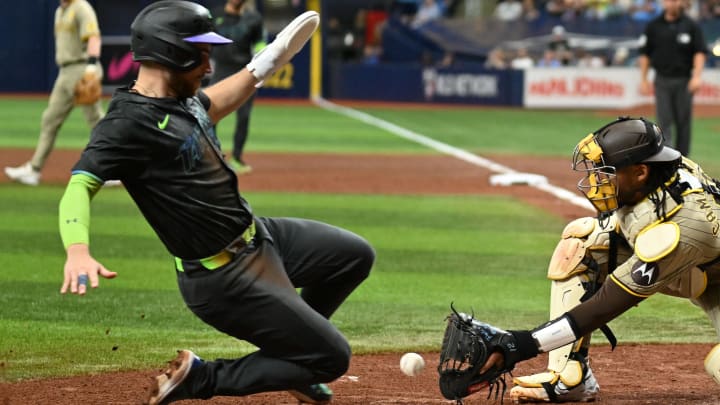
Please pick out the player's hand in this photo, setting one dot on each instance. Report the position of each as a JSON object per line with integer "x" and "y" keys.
{"x": 694, "y": 84}
{"x": 496, "y": 359}
{"x": 645, "y": 88}
{"x": 81, "y": 267}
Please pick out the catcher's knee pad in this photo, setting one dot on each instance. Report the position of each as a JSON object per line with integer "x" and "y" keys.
{"x": 580, "y": 259}
{"x": 576, "y": 383}
{"x": 583, "y": 241}
{"x": 712, "y": 363}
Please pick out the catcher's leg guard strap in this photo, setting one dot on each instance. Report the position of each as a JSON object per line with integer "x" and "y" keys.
{"x": 571, "y": 376}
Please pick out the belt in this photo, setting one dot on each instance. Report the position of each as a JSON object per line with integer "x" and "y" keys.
{"x": 218, "y": 260}
{"x": 73, "y": 62}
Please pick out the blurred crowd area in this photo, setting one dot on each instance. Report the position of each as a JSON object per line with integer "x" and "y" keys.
{"x": 358, "y": 37}
{"x": 558, "y": 53}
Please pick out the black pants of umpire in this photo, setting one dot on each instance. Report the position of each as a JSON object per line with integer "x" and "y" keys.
{"x": 254, "y": 298}
{"x": 673, "y": 108}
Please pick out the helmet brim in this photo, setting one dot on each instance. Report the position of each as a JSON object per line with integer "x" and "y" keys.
{"x": 666, "y": 154}
{"x": 208, "y": 38}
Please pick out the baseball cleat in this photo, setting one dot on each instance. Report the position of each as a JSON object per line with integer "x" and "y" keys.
{"x": 168, "y": 382}
{"x": 287, "y": 43}
{"x": 313, "y": 394}
{"x": 550, "y": 387}
{"x": 24, "y": 174}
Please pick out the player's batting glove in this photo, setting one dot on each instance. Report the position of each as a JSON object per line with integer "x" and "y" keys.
{"x": 287, "y": 43}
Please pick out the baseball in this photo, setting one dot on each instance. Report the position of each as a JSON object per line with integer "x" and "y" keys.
{"x": 412, "y": 364}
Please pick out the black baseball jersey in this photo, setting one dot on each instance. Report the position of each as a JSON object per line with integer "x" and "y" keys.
{"x": 167, "y": 155}
{"x": 671, "y": 45}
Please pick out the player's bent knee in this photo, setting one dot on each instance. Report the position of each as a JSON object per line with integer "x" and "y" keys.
{"x": 366, "y": 260}
{"x": 712, "y": 363}
{"x": 333, "y": 362}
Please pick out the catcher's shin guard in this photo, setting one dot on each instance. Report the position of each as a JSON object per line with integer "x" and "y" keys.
{"x": 564, "y": 296}
{"x": 576, "y": 383}
{"x": 578, "y": 264}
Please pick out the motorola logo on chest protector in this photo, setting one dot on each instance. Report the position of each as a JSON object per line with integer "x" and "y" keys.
{"x": 645, "y": 273}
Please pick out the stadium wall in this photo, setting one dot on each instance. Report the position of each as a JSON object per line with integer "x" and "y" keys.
{"x": 613, "y": 87}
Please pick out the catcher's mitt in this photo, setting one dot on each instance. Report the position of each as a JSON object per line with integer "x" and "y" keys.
{"x": 88, "y": 89}
{"x": 466, "y": 347}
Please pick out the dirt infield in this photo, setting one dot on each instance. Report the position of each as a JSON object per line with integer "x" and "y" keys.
{"x": 632, "y": 374}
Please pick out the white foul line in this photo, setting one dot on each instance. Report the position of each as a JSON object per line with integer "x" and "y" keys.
{"x": 461, "y": 154}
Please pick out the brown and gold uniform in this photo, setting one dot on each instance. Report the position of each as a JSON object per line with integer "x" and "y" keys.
{"x": 75, "y": 22}
{"x": 677, "y": 255}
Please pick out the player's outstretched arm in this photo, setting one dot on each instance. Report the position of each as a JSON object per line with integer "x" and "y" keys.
{"x": 81, "y": 267}
{"x": 227, "y": 95}
{"x": 74, "y": 223}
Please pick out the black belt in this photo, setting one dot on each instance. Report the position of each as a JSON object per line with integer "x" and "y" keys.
{"x": 73, "y": 62}
{"x": 218, "y": 260}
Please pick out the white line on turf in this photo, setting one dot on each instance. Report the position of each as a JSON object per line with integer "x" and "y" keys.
{"x": 558, "y": 192}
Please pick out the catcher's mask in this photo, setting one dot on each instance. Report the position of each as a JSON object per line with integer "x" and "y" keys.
{"x": 621, "y": 143}
{"x": 164, "y": 32}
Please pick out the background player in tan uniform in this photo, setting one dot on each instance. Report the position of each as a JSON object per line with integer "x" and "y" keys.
{"x": 77, "y": 49}
{"x": 657, "y": 231}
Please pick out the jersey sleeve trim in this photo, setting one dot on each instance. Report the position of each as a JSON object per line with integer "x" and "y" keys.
{"x": 627, "y": 290}
{"x": 92, "y": 176}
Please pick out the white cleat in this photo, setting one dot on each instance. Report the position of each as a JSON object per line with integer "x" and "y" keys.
{"x": 24, "y": 174}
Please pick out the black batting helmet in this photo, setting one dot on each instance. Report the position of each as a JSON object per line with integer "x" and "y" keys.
{"x": 164, "y": 32}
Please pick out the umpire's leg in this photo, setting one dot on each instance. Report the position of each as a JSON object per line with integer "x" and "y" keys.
{"x": 664, "y": 108}
{"x": 682, "y": 106}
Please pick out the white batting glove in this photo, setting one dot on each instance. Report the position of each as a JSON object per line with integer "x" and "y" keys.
{"x": 265, "y": 63}
{"x": 287, "y": 43}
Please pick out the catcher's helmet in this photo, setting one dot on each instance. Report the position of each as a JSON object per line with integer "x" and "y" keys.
{"x": 621, "y": 143}
{"x": 627, "y": 141}
{"x": 165, "y": 31}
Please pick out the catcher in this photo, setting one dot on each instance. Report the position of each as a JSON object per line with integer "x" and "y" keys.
{"x": 656, "y": 231}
